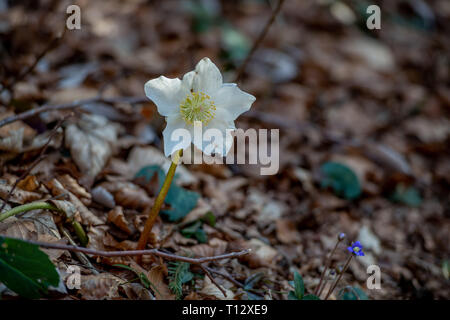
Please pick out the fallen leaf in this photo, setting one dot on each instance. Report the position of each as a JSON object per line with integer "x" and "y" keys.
{"x": 116, "y": 217}
{"x": 103, "y": 286}
{"x": 18, "y": 196}
{"x": 210, "y": 289}
{"x": 91, "y": 142}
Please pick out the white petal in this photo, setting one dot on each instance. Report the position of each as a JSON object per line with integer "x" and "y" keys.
{"x": 188, "y": 80}
{"x": 221, "y": 146}
{"x": 208, "y": 78}
{"x": 231, "y": 101}
{"x": 166, "y": 93}
{"x": 172, "y": 139}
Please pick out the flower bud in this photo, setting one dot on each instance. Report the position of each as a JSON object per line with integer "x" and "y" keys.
{"x": 341, "y": 236}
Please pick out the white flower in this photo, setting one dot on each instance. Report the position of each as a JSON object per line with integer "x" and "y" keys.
{"x": 201, "y": 97}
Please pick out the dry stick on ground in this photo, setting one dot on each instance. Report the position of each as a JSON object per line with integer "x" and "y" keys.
{"x": 154, "y": 252}
{"x": 125, "y": 253}
{"x": 35, "y": 162}
{"x": 71, "y": 105}
{"x": 259, "y": 40}
{"x": 206, "y": 271}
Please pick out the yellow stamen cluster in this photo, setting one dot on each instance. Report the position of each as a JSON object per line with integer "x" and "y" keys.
{"x": 198, "y": 107}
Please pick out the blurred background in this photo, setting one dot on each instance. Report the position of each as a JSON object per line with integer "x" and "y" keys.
{"x": 363, "y": 118}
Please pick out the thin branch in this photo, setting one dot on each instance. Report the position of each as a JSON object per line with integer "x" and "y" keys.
{"x": 225, "y": 276}
{"x": 258, "y": 41}
{"x": 154, "y": 252}
{"x": 71, "y": 105}
{"x": 80, "y": 255}
{"x": 340, "y": 277}
{"x": 35, "y": 162}
{"x": 206, "y": 271}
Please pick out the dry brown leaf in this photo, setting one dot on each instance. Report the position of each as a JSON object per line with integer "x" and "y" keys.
{"x": 103, "y": 286}
{"x": 214, "y": 247}
{"x": 134, "y": 198}
{"x": 87, "y": 216}
{"x": 13, "y": 142}
{"x": 91, "y": 142}
{"x": 69, "y": 183}
{"x": 37, "y": 225}
{"x": 18, "y": 196}
{"x": 127, "y": 194}
{"x": 261, "y": 254}
{"x": 210, "y": 289}
{"x": 136, "y": 291}
{"x": 287, "y": 232}
{"x": 156, "y": 277}
{"x": 15, "y": 126}
{"x": 40, "y": 140}
{"x": 116, "y": 217}
{"x": 30, "y": 183}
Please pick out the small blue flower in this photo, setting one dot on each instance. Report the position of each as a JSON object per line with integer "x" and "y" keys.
{"x": 356, "y": 248}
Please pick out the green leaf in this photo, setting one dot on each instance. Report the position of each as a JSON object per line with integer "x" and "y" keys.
{"x": 299, "y": 286}
{"x": 181, "y": 200}
{"x": 407, "y": 195}
{"x": 235, "y": 43}
{"x": 209, "y": 218}
{"x": 341, "y": 179}
{"x": 178, "y": 275}
{"x": 310, "y": 297}
{"x": 203, "y": 18}
{"x": 195, "y": 231}
{"x": 25, "y": 269}
{"x": 292, "y": 296}
{"x": 446, "y": 269}
{"x": 352, "y": 293}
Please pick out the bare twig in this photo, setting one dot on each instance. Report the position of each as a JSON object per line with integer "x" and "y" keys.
{"x": 154, "y": 252}
{"x": 259, "y": 40}
{"x": 35, "y": 162}
{"x": 80, "y": 255}
{"x": 225, "y": 276}
{"x": 341, "y": 237}
{"x": 340, "y": 277}
{"x": 71, "y": 105}
{"x": 206, "y": 271}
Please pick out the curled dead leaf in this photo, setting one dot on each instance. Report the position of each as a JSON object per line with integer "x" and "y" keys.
{"x": 116, "y": 217}
{"x": 87, "y": 216}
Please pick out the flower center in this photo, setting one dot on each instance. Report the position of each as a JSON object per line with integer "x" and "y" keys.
{"x": 198, "y": 107}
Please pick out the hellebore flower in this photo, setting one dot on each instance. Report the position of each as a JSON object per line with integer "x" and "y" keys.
{"x": 200, "y": 97}
{"x": 356, "y": 248}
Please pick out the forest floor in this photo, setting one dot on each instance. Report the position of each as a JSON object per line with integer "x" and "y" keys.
{"x": 377, "y": 102}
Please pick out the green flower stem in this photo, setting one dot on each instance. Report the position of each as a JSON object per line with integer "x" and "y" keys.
{"x": 159, "y": 202}
{"x": 27, "y": 207}
{"x": 340, "y": 276}
{"x": 80, "y": 233}
{"x": 47, "y": 206}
